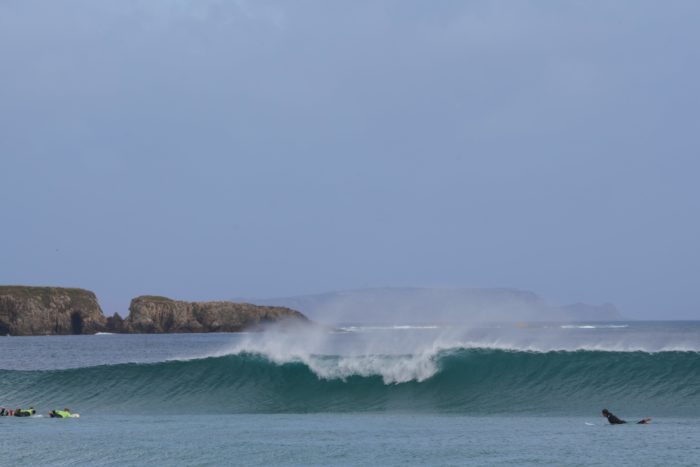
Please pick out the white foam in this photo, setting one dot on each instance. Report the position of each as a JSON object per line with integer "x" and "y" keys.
{"x": 397, "y": 356}
{"x": 315, "y": 349}
{"x": 596, "y": 326}
{"x": 387, "y": 328}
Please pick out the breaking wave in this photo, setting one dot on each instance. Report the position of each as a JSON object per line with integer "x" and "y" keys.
{"x": 452, "y": 380}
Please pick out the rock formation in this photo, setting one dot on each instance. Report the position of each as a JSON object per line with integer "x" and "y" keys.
{"x": 26, "y": 311}
{"x": 149, "y": 314}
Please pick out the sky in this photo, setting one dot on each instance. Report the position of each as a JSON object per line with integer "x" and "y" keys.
{"x": 212, "y": 149}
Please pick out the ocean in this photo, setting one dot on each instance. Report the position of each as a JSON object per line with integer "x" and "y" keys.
{"x": 526, "y": 394}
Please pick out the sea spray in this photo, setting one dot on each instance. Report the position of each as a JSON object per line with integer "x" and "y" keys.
{"x": 317, "y": 349}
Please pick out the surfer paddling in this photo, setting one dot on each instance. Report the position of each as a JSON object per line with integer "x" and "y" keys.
{"x": 616, "y": 421}
{"x": 65, "y": 413}
{"x": 30, "y": 412}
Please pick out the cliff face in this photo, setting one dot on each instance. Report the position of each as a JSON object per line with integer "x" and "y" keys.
{"x": 28, "y": 311}
{"x": 148, "y": 314}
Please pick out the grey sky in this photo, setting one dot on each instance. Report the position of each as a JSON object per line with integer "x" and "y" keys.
{"x": 212, "y": 149}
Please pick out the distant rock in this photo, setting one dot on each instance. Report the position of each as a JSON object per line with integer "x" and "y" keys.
{"x": 411, "y": 305}
{"x": 150, "y": 314}
{"x": 116, "y": 324}
{"x": 26, "y": 311}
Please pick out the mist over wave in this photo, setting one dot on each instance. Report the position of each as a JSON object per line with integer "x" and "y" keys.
{"x": 542, "y": 369}
{"x": 425, "y": 341}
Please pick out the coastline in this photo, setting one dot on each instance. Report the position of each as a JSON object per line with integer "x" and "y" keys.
{"x": 39, "y": 311}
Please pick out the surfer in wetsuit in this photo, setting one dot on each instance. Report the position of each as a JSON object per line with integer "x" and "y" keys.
{"x": 616, "y": 421}
{"x": 25, "y": 412}
{"x": 65, "y": 413}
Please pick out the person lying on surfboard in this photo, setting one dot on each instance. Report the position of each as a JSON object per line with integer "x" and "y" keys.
{"x": 616, "y": 421}
{"x": 25, "y": 412}
{"x": 65, "y": 413}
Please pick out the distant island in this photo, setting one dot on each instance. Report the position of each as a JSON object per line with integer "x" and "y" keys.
{"x": 27, "y": 311}
{"x": 413, "y": 305}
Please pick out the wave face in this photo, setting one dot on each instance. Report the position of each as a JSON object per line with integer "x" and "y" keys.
{"x": 458, "y": 380}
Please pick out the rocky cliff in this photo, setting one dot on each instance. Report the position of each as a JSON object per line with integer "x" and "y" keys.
{"x": 28, "y": 311}
{"x": 149, "y": 314}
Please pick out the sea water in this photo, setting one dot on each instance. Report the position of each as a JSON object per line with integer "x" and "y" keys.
{"x": 358, "y": 395}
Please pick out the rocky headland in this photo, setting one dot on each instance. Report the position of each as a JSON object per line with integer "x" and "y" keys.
{"x": 149, "y": 314}
{"x": 27, "y": 311}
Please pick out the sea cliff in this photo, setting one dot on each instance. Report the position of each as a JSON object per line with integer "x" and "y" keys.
{"x": 149, "y": 314}
{"x": 26, "y": 311}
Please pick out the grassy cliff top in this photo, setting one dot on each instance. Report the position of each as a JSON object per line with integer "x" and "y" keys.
{"x": 44, "y": 294}
{"x": 153, "y": 298}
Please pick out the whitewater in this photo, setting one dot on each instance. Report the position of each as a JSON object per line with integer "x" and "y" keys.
{"x": 458, "y": 395}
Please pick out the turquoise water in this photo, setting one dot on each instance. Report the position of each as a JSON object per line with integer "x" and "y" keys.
{"x": 346, "y": 439}
{"x": 392, "y": 395}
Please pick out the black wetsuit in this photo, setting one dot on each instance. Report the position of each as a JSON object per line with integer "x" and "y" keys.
{"x": 614, "y": 420}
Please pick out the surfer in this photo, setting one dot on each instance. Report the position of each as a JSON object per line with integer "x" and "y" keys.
{"x": 65, "y": 413}
{"x": 616, "y": 421}
{"x": 6, "y": 412}
{"x": 25, "y": 412}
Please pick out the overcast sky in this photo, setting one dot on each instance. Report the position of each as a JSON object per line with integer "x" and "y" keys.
{"x": 217, "y": 149}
